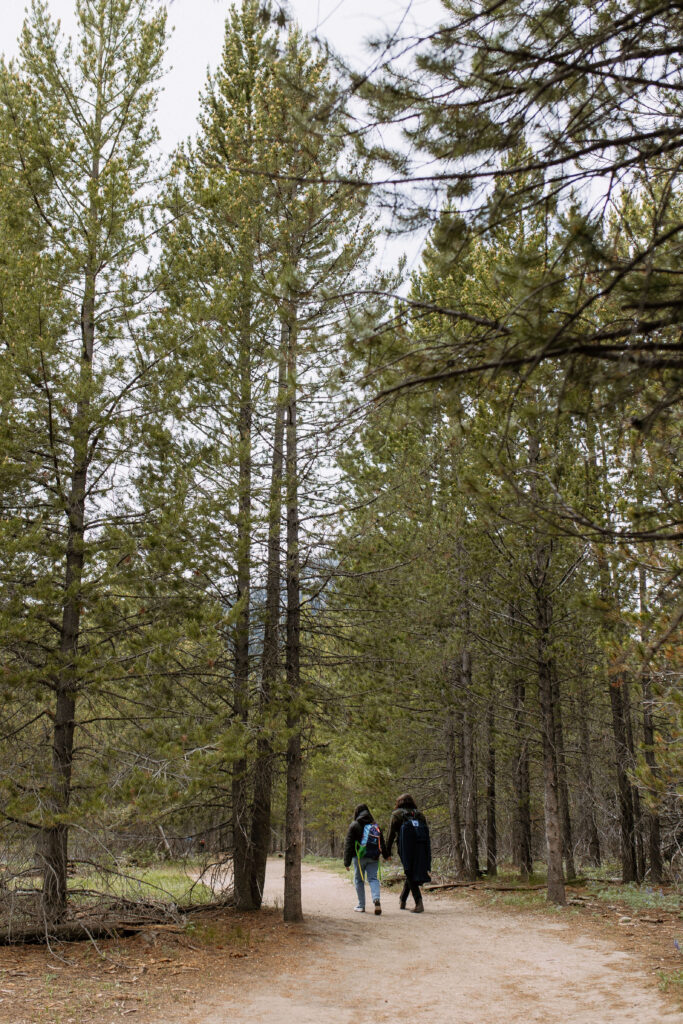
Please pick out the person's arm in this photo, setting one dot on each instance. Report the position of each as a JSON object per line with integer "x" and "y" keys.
{"x": 350, "y": 845}
{"x": 393, "y": 832}
{"x": 383, "y": 846}
{"x": 429, "y": 849}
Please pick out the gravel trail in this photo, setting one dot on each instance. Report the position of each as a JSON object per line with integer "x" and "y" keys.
{"x": 458, "y": 963}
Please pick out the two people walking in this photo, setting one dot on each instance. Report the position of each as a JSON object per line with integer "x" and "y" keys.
{"x": 365, "y": 844}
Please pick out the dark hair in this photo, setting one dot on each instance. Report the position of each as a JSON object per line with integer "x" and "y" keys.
{"x": 406, "y": 800}
{"x": 359, "y": 810}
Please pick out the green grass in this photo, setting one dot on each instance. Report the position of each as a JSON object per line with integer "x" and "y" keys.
{"x": 211, "y": 933}
{"x": 672, "y": 981}
{"x": 511, "y": 876}
{"x": 163, "y": 882}
{"x": 327, "y": 863}
{"x": 640, "y": 897}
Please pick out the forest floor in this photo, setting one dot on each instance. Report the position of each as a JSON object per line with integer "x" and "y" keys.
{"x": 464, "y": 961}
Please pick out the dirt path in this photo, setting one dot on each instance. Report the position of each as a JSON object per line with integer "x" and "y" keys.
{"x": 458, "y": 963}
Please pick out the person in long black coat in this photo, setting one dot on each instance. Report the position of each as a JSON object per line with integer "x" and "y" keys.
{"x": 414, "y": 848}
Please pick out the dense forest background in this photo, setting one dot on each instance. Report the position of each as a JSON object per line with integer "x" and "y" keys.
{"x": 282, "y": 529}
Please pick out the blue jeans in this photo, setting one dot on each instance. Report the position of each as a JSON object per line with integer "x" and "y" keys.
{"x": 369, "y": 868}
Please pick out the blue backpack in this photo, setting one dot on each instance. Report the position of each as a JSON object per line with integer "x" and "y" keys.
{"x": 369, "y": 844}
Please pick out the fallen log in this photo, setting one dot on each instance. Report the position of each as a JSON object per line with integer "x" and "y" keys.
{"x": 71, "y": 931}
{"x": 85, "y": 929}
{"x": 449, "y": 885}
{"x": 499, "y": 888}
{"x": 513, "y": 888}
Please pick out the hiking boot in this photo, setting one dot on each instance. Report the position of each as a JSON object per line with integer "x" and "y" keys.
{"x": 359, "y": 910}
{"x": 378, "y": 907}
{"x": 401, "y": 904}
{"x": 418, "y": 908}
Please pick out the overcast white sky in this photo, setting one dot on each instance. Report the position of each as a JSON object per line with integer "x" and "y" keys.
{"x": 198, "y": 31}
{"x": 196, "y": 42}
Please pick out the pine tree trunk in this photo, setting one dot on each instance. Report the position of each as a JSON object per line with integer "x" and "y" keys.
{"x": 615, "y": 683}
{"x": 54, "y": 844}
{"x": 294, "y": 815}
{"x": 469, "y": 774}
{"x": 562, "y": 787}
{"x": 589, "y": 801}
{"x": 553, "y": 820}
{"x": 453, "y": 782}
{"x": 491, "y": 830}
{"x": 653, "y": 819}
{"x": 629, "y": 864}
{"x": 263, "y": 768}
{"x": 522, "y": 822}
{"x": 635, "y": 793}
{"x": 240, "y": 799}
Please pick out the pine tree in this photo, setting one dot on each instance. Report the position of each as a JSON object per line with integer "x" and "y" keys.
{"x": 79, "y": 138}
{"x": 263, "y": 262}
{"x": 587, "y": 96}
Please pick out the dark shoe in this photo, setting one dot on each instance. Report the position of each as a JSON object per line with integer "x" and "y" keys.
{"x": 378, "y": 908}
{"x": 402, "y": 904}
{"x": 418, "y": 908}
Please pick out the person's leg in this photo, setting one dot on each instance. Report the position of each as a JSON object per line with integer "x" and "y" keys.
{"x": 371, "y": 867}
{"x": 417, "y": 896}
{"x": 359, "y": 883}
{"x": 404, "y": 894}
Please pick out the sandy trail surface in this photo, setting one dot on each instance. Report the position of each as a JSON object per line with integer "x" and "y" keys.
{"x": 458, "y": 963}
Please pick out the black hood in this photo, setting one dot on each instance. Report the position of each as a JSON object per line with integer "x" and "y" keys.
{"x": 363, "y": 816}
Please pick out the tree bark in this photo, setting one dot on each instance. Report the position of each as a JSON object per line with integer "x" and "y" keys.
{"x": 54, "y": 846}
{"x": 635, "y": 794}
{"x": 589, "y": 801}
{"x": 491, "y": 830}
{"x": 293, "y": 824}
{"x": 522, "y": 822}
{"x": 629, "y": 863}
{"x": 553, "y": 822}
{"x": 653, "y": 819}
{"x": 240, "y": 799}
{"x": 469, "y": 773}
{"x": 562, "y": 787}
{"x": 270, "y": 665}
{"x": 453, "y": 782}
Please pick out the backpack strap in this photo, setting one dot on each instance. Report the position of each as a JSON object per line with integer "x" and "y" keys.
{"x": 360, "y": 852}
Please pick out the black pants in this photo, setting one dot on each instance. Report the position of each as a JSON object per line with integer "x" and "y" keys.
{"x": 410, "y": 886}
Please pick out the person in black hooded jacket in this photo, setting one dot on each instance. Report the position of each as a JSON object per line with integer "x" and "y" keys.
{"x": 414, "y": 848}
{"x": 365, "y": 867}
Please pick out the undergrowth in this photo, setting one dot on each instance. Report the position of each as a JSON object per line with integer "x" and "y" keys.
{"x": 672, "y": 981}
{"x": 640, "y": 897}
{"x": 163, "y": 882}
{"x": 335, "y": 864}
